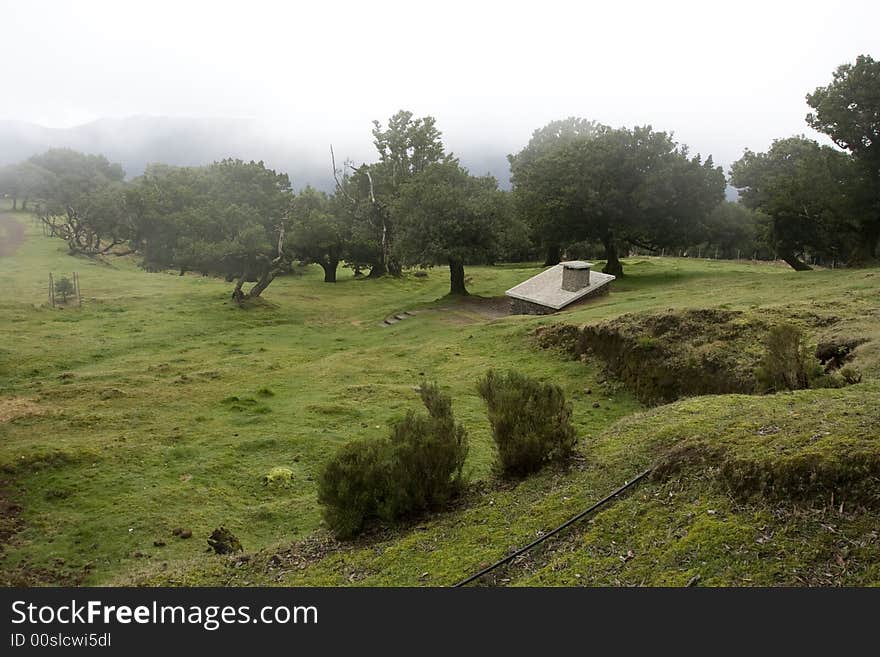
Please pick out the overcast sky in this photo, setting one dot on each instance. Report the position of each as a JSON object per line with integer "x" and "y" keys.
{"x": 721, "y": 75}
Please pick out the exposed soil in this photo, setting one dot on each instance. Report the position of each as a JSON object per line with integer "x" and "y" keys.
{"x": 11, "y": 235}
{"x": 472, "y": 309}
{"x": 13, "y": 408}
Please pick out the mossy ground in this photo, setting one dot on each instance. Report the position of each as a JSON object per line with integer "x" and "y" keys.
{"x": 159, "y": 404}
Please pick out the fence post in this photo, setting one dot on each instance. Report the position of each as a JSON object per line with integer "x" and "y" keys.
{"x": 51, "y": 290}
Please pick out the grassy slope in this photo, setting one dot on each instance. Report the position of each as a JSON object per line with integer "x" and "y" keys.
{"x": 134, "y": 437}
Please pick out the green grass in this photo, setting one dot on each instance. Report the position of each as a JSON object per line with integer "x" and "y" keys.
{"x": 160, "y": 404}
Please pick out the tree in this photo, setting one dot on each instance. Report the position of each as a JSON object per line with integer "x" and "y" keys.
{"x": 64, "y": 288}
{"x": 446, "y": 216}
{"x": 406, "y": 147}
{"x": 230, "y": 218}
{"x": 807, "y": 192}
{"x": 318, "y": 231}
{"x": 733, "y": 228}
{"x": 82, "y": 200}
{"x": 848, "y": 111}
{"x": 536, "y": 188}
{"x": 24, "y": 181}
{"x": 618, "y": 186}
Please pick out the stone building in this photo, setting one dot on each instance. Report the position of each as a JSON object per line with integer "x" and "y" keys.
{"x": 557, "y": 287}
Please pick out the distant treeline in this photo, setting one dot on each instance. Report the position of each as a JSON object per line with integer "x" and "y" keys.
{"x": 580, "y": 189}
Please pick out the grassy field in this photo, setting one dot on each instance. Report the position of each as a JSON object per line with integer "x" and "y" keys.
{"x": 159, "y": 404}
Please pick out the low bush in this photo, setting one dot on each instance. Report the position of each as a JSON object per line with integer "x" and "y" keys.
{"x": 531, "y": 421}
{"x": 427, "y": 457}
{"x": 418, "y": 468}
{"x": 352, "y": 485}
{"x": 788, "y": 362}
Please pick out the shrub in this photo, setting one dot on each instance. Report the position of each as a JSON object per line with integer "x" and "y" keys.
{"x": 64, "y": 288}
{"x": 850, "y": 375}
{"x": 427, "y": 457}
{"x": 788, "y": 363}
{"x": 352, "y": 485}
{"x": 531, "y": 421}
{"x": 418, "y": 468}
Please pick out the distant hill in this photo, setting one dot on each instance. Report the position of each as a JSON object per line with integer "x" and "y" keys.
{"x": 137, "y": 141}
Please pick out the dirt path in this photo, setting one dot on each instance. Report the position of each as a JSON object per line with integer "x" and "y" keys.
{"x": 11, "y": 234}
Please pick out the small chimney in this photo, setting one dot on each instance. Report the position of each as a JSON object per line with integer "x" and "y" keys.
{"x": 575, "y": 275}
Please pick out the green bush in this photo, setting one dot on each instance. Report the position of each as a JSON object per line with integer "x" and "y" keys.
{"x": 788, "y": 362}
{"x": 64, "y": 288}
{"x": 352, "y": 485}
{"x": 531, "y": 421}
{"x": 419, "y": 468}
{"x": 850, "y": 375}
{"x": 427, "y": 454}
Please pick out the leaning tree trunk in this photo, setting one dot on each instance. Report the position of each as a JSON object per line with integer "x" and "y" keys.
{"x": 456, "y": 277}
{"x": 329, "y": 266}
{"x": 237, "y": 293}
{"x": 794, "y": 262}
{"x": 553, "y": 255}
{"x": 267, "y": 277}
{"x": 613, "y": 265}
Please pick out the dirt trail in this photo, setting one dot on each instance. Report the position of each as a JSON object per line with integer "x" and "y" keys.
{"x": 11, "y": 234}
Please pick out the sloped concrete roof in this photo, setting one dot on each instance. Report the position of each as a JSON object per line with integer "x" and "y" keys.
{"x": 546, "y": 288}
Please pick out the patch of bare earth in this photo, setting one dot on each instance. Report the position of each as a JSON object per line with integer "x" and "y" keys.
{"x": 471, "y": 309}
{"x": 11, "y": 235}
{"x": 13, "y": 408}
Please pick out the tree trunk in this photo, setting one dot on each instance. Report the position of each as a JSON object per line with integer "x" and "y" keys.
{"x": 237, "y": 294}
{"x": 456, "y": 277}
{"x": 553, "y": 255}
{"x": 865, "y": 253}
{"x": 613, "y": 265}
{"x": 329, "y": 268}
{"x": 14, "y": 203}
{"x": 24, "y": 204}
{"x": 794, "y": 262}
{"x": 267, "y": 277}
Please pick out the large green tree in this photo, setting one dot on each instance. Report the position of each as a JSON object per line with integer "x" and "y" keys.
{"x": 808, "y": 191}
{"x": 848, "y": 111}
{"x": 446, "y": 216}
{"x": 230, "y": 218}
{"x": 406, "y": 146}
{"x": 615, "y": 187}
{"x": 319, "y": 231}
{"x": 538, "y": 187}
{"x": 82, "y": 200}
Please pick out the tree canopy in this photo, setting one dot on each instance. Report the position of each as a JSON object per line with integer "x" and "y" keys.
{"x": 406, "y": 146}
{"x": 579, "y": 181}
{"x": 446, "y": 216}
{"x": 808, "y": 193}
{"x": 848, "y": 111}
{"x": 230, "y": 218}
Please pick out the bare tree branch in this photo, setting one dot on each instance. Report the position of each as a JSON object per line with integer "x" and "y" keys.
{"x": 339, "y": 186}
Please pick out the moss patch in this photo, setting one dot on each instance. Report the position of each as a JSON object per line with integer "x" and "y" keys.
{"x": 668, "y": 355}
